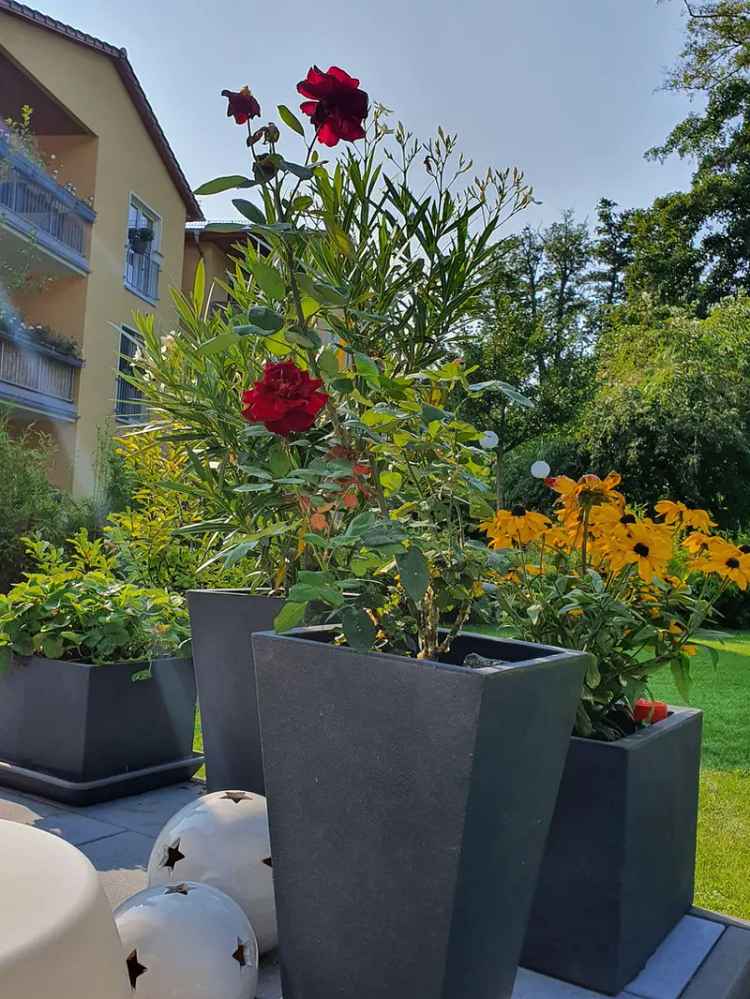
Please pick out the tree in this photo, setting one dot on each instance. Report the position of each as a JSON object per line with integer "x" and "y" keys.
{"x": 672, "y": 407}
{"x": 694, "y": 246}
{"x": 537, "y": 331}
{"x": 612, "y": 251}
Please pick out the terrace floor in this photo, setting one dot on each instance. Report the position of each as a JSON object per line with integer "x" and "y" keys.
{"x": 703, "y": 958}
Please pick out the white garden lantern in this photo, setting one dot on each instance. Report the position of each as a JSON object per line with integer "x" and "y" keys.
{"x": 187, "y": 941}
{"x": 222, "y": 840}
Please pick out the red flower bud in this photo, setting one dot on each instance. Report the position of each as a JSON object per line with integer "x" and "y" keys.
{"x": 650, "y": 711}
{"x": 286, "y": 400}
{"x": 242, "y": 105}
{"x": 338, "y": 107}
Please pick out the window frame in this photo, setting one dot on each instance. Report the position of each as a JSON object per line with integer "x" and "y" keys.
{"x": 132, "y": 336}
{"x": 154, "y": 256}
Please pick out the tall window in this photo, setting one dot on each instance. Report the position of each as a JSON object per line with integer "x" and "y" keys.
{"x": 129, "y": 407}
{"x": 142, "y": 254}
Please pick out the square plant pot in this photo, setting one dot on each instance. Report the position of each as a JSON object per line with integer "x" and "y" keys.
{"x": 618, "y": 870}
{"x": 409, "y": 803}
{"x": 222, "y": 623}
{"x": 81, "y": 733}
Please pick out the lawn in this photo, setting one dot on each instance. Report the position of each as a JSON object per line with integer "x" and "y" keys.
{"x": 723, "y": 692}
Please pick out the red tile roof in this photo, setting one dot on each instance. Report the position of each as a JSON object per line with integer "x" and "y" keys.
{"x": 132, "y": 85}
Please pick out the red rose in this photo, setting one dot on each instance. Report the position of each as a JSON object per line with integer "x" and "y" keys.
{"x": 338, "y": 107}
{"x": 285, "y": 400}
{"x": 649, "y": 711}
{"x": 242, "y": 105}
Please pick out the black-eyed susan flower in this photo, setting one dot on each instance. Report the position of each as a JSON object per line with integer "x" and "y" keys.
{"x": 647, "y": 546}
{"x": 727, "y": 561}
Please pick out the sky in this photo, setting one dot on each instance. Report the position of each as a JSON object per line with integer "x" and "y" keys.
{"x": 566, "y": 90}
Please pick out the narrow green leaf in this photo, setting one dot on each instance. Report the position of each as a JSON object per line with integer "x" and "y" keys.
{"x": 268, "y": 278}
{"x": 303, "y": 172}
{"x": 290, "y": 119}
{"x": 219, "y": 343}
{"x": 222, "y": 184}
{"x": 249, "y": 210}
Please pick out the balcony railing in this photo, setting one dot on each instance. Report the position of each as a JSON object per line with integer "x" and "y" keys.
{"x": 37, "y": 206}
{"x": 36, "y": 378}
{"x": 142, "y": 274}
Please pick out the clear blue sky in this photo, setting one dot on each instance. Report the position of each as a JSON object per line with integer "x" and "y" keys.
{"x": 567, "y": 90}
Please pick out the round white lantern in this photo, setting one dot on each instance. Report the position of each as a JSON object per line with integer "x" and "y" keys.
{"x": 222, "y": 840}
{"x": 187, "y": 941}
{"x": 489, "y": 440}
{"x": 540, "y": 470}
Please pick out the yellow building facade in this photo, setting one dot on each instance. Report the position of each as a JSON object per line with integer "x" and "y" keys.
{"x": 93, "y": 210}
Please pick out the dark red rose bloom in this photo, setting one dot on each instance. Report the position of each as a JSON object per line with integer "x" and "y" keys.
{"x": 286, "y": 399}
{"x": 650, "y": 711}
{"x": 338, "y": 107}
{"x": 242, "y": 105}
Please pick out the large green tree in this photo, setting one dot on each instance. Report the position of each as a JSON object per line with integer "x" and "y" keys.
{"x": 672, "y": 407}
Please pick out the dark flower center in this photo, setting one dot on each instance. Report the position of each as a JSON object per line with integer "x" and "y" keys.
{"x": 733, "y": 563}
{"x": 518, "y": 511}
{"x": 745, "y": 549}
{"x": 627, "y": 518}
{"x": 641, "y": 549}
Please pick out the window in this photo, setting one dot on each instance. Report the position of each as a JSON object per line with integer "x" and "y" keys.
{"x": 142, "y": 256}
{"x": 129, "y": 407}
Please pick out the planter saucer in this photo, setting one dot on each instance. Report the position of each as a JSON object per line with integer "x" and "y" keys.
{"x": 80, "y": 793}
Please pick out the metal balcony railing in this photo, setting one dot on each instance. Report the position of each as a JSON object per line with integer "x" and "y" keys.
{"x": 37, "y": 378}
{"x": 142, "y": 274}
{"x": 35, "y": 204}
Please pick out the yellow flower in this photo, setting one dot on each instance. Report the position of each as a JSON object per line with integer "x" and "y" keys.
{"x": 518, "y": 525}
{"x": 698, "y": 540}
{"x": 727, "y": 561}
{"x": 672, "y": 512}
{"x": 699, "y": 519}
{"x": 647, "y": 546}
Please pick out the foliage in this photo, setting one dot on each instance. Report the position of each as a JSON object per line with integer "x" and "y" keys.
{"x": 630, "y": 590}
{"x": 148, "y": 538}
{"x": 29, "y": 503}
{"x": 75, "y": 609}
{"x": 37, "y": 334}
{"x": 672, "y": 408}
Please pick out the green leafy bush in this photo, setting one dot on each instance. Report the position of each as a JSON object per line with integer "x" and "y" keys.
{"x": 29, "y": 504}
{"x": 77, "y": 610}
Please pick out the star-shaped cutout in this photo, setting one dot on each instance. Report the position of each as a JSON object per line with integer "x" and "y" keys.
{"x": 240, "y": 955}
{"x": 172, "y": 855}
{"x": 268, "y": 861}
{"x": 237, "y": 796}
{"x": 135, "y": 969}
{"x": 182, "y": 889}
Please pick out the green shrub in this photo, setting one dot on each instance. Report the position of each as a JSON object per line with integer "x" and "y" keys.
{"x": 29, "y": 504}
{"x": 76, "y": 609}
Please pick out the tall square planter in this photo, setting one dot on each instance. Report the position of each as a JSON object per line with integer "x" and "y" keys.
{"x": 222, "y": 622}
{"x": 80, "y": 733}
{"x": 409, "y": 803}
{"x": 618, "y": 870}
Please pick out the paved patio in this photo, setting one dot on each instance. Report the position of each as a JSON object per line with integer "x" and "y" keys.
{"x": 703, "y": 958}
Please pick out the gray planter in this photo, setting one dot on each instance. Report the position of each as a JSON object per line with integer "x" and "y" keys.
{"x": 408, "y": 804}
{"x": 80, "y": 733}
{"x": 222, "y": 622}
{"x": 618, "y": 871}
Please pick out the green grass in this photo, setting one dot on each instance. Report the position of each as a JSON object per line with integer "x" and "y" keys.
{"x": 723, "y": 693}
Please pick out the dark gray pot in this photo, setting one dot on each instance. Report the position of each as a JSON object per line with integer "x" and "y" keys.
{"x": 222, "y": 622}
{"x": 618, "y": 870}
{"x": 408, "y": 804}
{"x": 82, "y": 733}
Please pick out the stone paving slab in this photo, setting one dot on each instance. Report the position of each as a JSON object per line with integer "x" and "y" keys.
{"x": 706, "y": 956}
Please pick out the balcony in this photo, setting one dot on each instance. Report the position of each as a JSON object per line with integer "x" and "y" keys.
{"x": 38, "y": 379}
{"x": 43, "y": 227}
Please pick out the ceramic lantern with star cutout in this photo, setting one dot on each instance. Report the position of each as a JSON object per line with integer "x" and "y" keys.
{"x": 189, "y": 941}
{"x": 222, "y": 840}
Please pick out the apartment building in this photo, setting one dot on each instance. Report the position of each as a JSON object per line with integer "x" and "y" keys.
{"x": 93, "y": 213}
